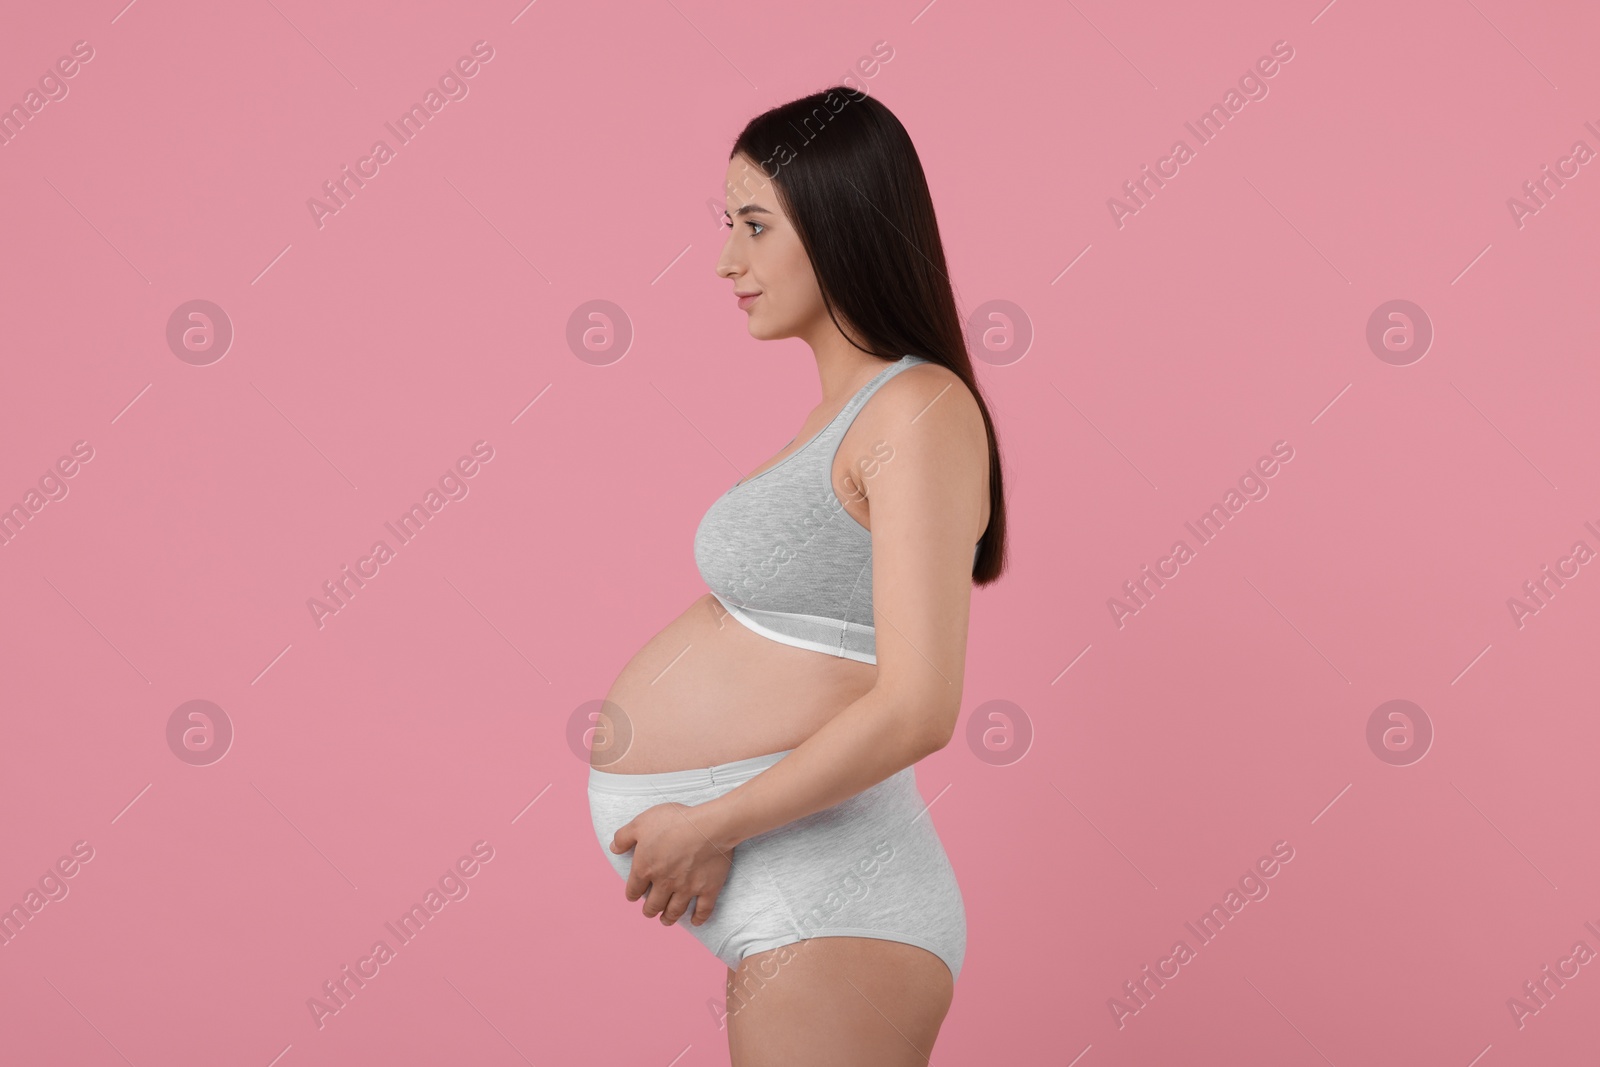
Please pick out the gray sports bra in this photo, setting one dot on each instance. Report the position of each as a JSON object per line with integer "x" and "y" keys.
{"x": 783, "y": 556}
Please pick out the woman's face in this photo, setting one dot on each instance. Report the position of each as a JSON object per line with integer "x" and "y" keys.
{"x": 763, "y": 255}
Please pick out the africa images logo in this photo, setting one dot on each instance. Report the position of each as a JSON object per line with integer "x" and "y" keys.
{"x": 453, "y": 86}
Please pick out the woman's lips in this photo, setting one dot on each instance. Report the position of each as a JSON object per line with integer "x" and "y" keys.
{"x": 746, "y": 301}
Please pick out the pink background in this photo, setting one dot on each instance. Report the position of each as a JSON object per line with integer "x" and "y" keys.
{"x": 370, "y": 353}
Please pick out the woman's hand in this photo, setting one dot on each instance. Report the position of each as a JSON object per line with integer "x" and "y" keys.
{"x": 675, "y": 858}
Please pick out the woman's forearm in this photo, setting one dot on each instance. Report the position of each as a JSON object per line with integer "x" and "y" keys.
{"x": 875, "y": 737}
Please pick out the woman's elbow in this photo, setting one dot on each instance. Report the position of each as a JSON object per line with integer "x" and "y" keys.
{"x": 926, "y": 714}
{"x": 933, "y": 723}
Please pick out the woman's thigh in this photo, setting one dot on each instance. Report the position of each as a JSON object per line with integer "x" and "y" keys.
{"x": 843, "y": 1001}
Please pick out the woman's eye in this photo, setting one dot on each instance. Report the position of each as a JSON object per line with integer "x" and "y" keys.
{"x": 727, "y": 221}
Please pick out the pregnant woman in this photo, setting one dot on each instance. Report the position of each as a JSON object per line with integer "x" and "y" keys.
{"x": 753, "y": 780}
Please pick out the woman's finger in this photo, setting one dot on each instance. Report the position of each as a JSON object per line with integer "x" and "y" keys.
{"x": 638, "y": 883}
{"x": 675, "y": 909}
{"x": 703, "y": 905}
{"x": 655, "y": 901}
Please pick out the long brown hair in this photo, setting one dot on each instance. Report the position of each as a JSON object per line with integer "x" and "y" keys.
{"x": 849, "y": 179}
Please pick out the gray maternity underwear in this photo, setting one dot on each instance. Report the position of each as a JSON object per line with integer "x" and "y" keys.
{"x": 870, "y": 866}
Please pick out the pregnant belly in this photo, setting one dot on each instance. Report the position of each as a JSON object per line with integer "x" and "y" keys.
{"x": 708, "y": 690}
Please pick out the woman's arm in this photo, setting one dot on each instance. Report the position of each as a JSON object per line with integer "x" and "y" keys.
{"x": 928, "y": 503}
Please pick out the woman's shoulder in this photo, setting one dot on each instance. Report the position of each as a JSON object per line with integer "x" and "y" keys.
{"x": 928, "y": 390}
{"x": 927, "y": 402}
